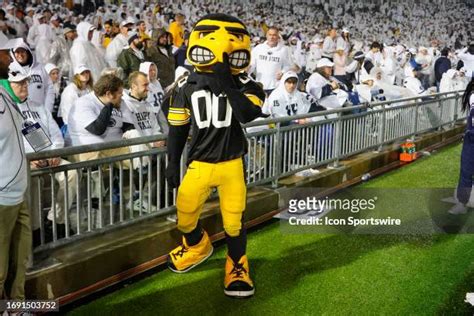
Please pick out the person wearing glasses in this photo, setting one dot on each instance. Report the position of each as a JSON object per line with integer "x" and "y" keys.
{"x": 34, "y": 113}
{"x": 15, "y": 228}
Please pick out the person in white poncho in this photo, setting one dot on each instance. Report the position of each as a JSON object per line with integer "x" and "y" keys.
{"x": 40, "y": 88}
{"x": 44, "y": 41}
{"x": 155, "y": 93}
{"x": 80, "y": 85}
{"x": 385, "y": 87}
{"x": 412, "y": 82}
{"x": 286, "y": 100}
{"x": 118, "y": 43}
{"x": 448, "y": 81}
{"x": 83, "y": 52}
{"x": 324, "y": 88}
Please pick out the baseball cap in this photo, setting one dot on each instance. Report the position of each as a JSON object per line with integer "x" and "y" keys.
{"x": 10, "y": 7}
{"x": 324, "y": 62}
{"x": 127, "y": 21}
{"x": 318, "y": 40}
{"x": 80, "y": 69}
{"x": 359, "y": 55}
{"x": 132, "y": 36}
{"x": 67, "y": 30}
{"x": 16, "y": 73}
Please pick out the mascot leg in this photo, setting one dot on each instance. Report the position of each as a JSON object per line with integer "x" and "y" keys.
{"x": 196, "y": 246}
{"x": 232, "y": 193}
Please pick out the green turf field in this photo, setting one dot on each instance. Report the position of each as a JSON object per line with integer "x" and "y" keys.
{"x": 312, "y": 274}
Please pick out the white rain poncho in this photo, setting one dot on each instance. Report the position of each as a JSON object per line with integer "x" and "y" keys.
{"x": 83, "y": 52}
{"x": 155, "y": 96}
{"x": 40, "y": 88}
{"x": 314, "y": 87}
{"x": 281, "y": 103}
{"x": 114, "y": 49}
{"x": 43, "y": 44}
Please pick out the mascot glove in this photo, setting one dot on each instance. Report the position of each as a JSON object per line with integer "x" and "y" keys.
{"x": 223, "y": 73}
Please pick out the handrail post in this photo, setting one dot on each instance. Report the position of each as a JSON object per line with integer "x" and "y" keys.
{"x": 415, "y": 124}
{"x": 440, "y": 105}
{"x": 277, "y": 155}
{"x": 382, "y": 128}
{"x": 337, "y": 141}
{"x": 456, "y": 111}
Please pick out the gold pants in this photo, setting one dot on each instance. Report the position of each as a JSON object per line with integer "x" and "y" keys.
{"x": 228, "y": 177}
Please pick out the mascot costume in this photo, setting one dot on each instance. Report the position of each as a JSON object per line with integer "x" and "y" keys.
{"x": 215, "y": 99}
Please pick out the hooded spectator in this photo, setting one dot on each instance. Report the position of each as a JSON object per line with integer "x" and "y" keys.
{"x": 83, "y": 52}
{"x": 160, "y": 53}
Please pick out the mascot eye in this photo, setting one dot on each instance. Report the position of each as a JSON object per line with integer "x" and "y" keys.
{"x": 204, "y": 34}
{"x": 239, "y": 36}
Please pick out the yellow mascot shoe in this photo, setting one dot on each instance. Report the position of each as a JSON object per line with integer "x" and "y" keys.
{"x": 183, "y": 258}
{"x": 237, "y": 282}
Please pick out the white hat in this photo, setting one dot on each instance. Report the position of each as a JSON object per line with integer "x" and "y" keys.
{"x": 345, "y": 30}
{"x": 11, "y": 7}
{"x": 80, "y": 69}
{"x": 365, "y": 77}
{"x": 324, "y": 62}
{"x": 50, "y": 67}
{"x": 55, "y": 18}
{"x": 128, "y": 20}
{"x": 16, "y": 73}
{"x": 28, "y": 9}
{"x": 318, "y": 40}
{"x": 132, "y": 36}
{"x": 124, "y": 22}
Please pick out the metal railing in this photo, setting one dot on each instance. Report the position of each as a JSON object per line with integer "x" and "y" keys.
{"x": 105, "y": 186}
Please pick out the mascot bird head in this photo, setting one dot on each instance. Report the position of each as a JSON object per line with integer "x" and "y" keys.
{"x": 215, "y": 35}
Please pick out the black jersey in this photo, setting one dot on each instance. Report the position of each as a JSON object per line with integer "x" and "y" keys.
{"x": 216, "y": 135}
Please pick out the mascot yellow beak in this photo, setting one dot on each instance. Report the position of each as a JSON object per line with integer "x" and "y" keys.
{"x": 211, "y": 38}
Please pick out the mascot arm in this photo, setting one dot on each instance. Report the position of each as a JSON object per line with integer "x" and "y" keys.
{"x": 245, "y": 107}
{"x": 176, "y": 141}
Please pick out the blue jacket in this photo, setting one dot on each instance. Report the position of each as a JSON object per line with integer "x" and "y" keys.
{"x": 442, "y": 65}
